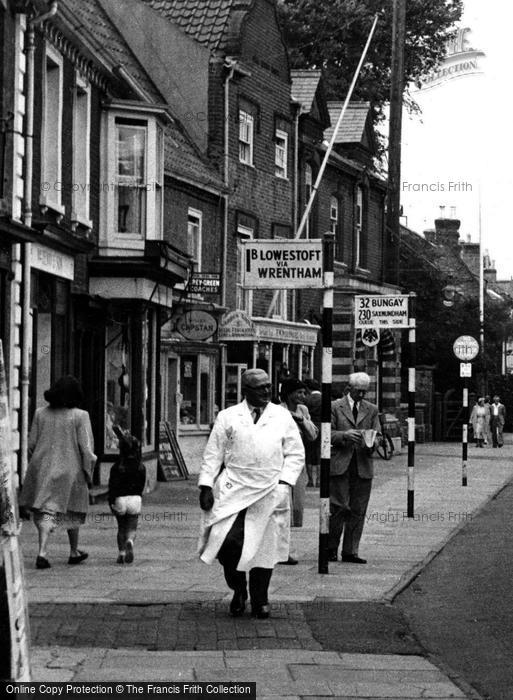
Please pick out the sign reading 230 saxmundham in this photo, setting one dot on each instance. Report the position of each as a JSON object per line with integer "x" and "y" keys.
{"x": 381, "y": 311}
{"x": 285, "y": 264}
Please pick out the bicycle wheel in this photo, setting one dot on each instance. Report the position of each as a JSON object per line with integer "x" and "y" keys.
{"x": 386, "y": 448}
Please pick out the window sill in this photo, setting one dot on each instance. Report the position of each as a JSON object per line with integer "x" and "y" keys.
{"x": 362, "y": 271}
{"x": 46, "y": 203}
{"x": 281, "y": 177}
{"x": 80, "y": 221}
{"x": 247, "y": 165}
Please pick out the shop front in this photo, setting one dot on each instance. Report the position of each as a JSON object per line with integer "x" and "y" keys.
{"x": 137, "y": 298}
{"x": 280, "y": 348}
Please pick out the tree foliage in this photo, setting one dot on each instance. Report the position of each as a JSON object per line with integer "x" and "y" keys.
{"x": 331, "y": 34}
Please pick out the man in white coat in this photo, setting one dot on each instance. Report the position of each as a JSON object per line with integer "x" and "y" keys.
{"x": 246, "y": 505}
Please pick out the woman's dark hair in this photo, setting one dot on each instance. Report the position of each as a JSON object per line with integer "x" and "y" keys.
{"x": 65, "y": 393}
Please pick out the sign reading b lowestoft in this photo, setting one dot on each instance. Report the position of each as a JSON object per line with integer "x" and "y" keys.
{"x": 283, "y": 264}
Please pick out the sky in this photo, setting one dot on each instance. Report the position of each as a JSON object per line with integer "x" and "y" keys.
{"x": 459, "y": 152}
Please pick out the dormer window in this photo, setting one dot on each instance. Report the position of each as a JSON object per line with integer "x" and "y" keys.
{"x": 131, "y": 196}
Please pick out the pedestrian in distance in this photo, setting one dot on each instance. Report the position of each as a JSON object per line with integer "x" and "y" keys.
{"x": 480, "y": 419}
{"x": 355, "y": 430}
{"x": 497, "y": 420}
{"x": 293, "y": 398}
{"x": 61, "y": 463}
{"x": 488, "y": 434}
{"x": 313, "y": 448}
{"x": 127, "y": 480}
{"x": 246, "y": 504}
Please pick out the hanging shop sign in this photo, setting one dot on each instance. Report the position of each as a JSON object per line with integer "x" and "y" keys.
{"x": 196, "y": 325}
{"x": 284, "y": 264}
{"x": 382, "y": 311}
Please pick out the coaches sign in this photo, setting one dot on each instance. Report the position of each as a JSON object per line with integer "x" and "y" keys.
{"x": 285, "y": 264}
{"x": 380, "y": 311}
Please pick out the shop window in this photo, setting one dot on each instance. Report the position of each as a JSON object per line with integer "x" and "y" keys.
{"x": 149, "y": 367}
{"x": 196, "y": 390}
{"x": 246, "y": 136}
{"x": 130, "y": 181}
{"x": 281, "y": 150}
{"x": 51, "y": 137}
{"x": 118, "y": 361}
{"x": 81, "y": 144}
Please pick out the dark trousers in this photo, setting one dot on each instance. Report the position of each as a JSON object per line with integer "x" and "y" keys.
{"x": 349, "y": 497}
{"x": 229, "y": 556}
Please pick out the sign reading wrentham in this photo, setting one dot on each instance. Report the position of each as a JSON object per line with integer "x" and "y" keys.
{"x": 284, "y": 264}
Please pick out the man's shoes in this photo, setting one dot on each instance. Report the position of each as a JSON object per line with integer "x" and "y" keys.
{"x": 238, "y": 604}
{"x": 353, "y": 559}
{"x": 290, "y": 561}
{"x": 261, "y": 612}
{"x": 80, "y": 557}
{"x": 129, "y": 556}
{"x": 42, "y": 563}
{"x": 120, "y": 559}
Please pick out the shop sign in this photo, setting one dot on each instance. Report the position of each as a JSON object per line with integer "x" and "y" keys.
{"x": 196, "y": 325}
{"x": 236, "y": 325}
{"x": 381, "y": 311}
{"x": 204, "y": 283}
{"x": 52, "y": 261}
{"x": 286, "y": 334}
{"x": 285, "y": 264}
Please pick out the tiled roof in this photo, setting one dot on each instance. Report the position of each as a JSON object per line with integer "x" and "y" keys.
{"x": 353, "y": 125}
{"x": 211, "y": 22}
{"x": 304, "y": 87}
{"x": 182, "y": 160}
{"x": 97, "y": 23}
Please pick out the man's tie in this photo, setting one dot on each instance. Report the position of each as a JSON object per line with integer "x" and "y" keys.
{"x": 355, "y": 411}
{"x": 257, "y": 412}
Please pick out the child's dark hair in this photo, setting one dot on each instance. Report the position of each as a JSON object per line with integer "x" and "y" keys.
{"x": 129, "y": 448}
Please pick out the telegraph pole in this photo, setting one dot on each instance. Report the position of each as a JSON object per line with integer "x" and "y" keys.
{"x": 394, "y": 139}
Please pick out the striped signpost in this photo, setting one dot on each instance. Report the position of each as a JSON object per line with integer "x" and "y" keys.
{"x": 327, "y": 372}
{"x": 466, "y": 348}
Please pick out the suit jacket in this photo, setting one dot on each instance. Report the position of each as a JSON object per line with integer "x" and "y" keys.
{"x": 501, "y": 418}
{"x": 342, "y": 450}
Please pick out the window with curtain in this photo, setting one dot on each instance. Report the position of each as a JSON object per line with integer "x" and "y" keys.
{"x": 131, "y": 176}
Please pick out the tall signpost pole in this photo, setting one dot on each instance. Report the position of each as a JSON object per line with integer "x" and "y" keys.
{"x": 411, "y": 406}
{"x": 465, "y": 348}
{"x": 327, "y": 371}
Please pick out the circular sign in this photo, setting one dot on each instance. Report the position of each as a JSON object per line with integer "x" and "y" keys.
{"x": 465, "y": 348}
{"x": 196, "y": 325}
{"x": 370, "y": 336}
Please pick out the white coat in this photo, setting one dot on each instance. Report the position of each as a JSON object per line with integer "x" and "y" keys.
{"x": 256, "y": 457}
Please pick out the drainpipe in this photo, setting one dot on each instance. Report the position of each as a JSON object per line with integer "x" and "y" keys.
{"x": 27, "y": 220}
{"x": 295, "y": 203}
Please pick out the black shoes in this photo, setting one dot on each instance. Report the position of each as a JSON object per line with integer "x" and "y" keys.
{"x": 290, "y": 561}
{"x": 42, "y": 563}
{"x": 79, "y": 558}
{"x": 261, "y": 612}
{"x": 353, "y": 559}
{"x": 238, "y": 604}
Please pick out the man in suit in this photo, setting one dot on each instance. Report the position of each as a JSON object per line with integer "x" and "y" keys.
{"x": 351, "y": 468}
{"x": 497, "y": 420}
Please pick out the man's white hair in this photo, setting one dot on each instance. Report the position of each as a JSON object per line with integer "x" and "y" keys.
{"x": 249, "y": 376}
{"x": 359, "y": 378}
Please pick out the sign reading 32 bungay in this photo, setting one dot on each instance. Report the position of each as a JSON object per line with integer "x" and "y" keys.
{"x": 284, "y": 264}
{"x": 381, "y": 311}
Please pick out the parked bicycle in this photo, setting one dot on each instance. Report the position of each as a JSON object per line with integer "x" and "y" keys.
{"x": 385, "y": 448}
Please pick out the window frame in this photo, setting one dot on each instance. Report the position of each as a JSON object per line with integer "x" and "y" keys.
{"x": 118, "y": 115}
{"x": 246, "y": 119}
{"x": 243, "y": 297}
{"x": 81, "y": 186}
{"x": 281, "y": 170}
{"x": 198, "y": 215}
{"x": 51, "y": 153}
{"x": 359, "y": 199}
{"x": 197, "y": 425}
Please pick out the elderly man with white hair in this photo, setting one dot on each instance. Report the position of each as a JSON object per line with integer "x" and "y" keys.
{"x": 246, "y": 504}
{"x": 352, "y": 420}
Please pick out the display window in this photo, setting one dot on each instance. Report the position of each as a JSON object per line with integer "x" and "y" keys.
{"x": 196, "y": 390}
{"x": 118, "y": 362}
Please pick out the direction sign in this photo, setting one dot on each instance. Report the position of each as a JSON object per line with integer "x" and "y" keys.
{"x": 465, "y": 348}
{"x": 283, "y": 264}
{"x": 381, "y": 311}
{"x": 204, "y": 283}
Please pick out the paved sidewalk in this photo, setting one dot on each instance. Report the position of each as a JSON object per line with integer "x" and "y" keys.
{"x": 166, "y": 573}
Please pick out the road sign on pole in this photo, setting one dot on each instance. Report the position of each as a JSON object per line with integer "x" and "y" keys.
{"x": 382, "y": 311}
{"x": 283, "y": 264}
{"x": 466, "y": 348}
